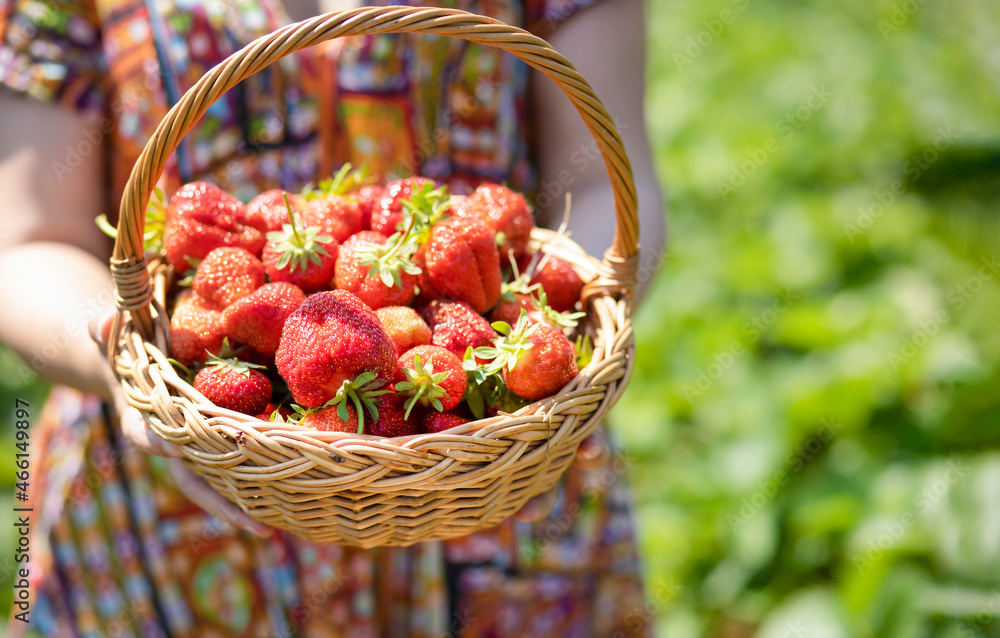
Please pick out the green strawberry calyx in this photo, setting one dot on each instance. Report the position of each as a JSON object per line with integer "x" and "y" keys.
{"x": 156, "y": 223}
{"x": 298, "y": 247}
{"x": 425, "y": 208}
{"x": 422, "y": 385}
{"x": 485, "y": 387}
{"x": 389, "y": 260}
{"x": 361, "y": 392}
{"x": 507, "y": 348}
{"x": 344, "y": 182}
{"x": 562, "y": 319}
{"x": 233, "y": 364}
{"x": 584, "y": 351}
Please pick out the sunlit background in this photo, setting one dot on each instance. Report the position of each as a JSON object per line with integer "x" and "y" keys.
{"x": 814, "y": 422}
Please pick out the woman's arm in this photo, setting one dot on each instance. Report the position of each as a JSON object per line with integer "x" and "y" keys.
{"x": 52, "y": 255}
{"x": 606, "y": 43}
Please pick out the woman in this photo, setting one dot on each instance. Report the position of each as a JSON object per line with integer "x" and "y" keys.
{"x": 127, "y": 544}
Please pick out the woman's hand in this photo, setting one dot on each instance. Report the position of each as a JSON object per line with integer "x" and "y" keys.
{"x": 138, "y": 433}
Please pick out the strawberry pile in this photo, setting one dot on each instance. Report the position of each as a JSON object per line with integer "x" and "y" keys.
{"x": 358, "y": 308}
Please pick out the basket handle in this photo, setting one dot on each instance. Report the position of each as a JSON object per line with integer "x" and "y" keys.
{"x": 133, "y": 291}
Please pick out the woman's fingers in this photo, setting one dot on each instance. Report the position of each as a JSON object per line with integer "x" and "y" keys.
{"x": 202, "y": 494}
{"x": 133, "y": 426}
{"x": 139, "y": 434}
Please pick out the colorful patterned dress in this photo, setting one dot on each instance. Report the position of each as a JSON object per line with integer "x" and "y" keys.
{"x": 117, "y": 549}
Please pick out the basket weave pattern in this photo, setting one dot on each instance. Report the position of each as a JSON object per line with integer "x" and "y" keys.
{"x": 358, "y": 489}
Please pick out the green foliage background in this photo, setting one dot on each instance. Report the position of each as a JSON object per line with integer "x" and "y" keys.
{"x": 814, "y": 421}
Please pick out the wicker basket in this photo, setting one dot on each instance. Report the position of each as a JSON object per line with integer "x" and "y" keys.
{"x": 358, "y": 489}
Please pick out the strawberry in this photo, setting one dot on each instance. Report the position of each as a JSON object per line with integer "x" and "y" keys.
{"x": 234, "y": 385}
{"x": 537, "y": 307}
{"x": 387, "y": 418}
{"x": 334, "y": 348}
{"x": 196, "y": 330}
{"x": 187, "y": 296}
{"x": 258, "y": 318}
{"x": 327, "y": 420}
{"x": 227, "y": 274}
{"x": 560, "y": 281}
{"x": 388, "y": 212}
{"x": 200, "y": 218}
{"x": 368, "y": 197}
{"x": 434, "y": 377}
{"x": 406, "y": 328}
{"x": 301, "y": 256}
{"x": 545, "y": 367}
{"x": 377, "y": 269}
{"x": 339, "y": 216}
{"x": 455, "y": 326}
{"x": 463, "y": 263}
{"x": 425, "y": 289}
{"x": 392, "y": 421}
{"x": 268, "y": 212}
{"x": 434, "y": 421}
{"x": 503, "y": 211}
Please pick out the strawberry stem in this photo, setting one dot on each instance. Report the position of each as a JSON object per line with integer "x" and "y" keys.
{"x": 422, "y": 385}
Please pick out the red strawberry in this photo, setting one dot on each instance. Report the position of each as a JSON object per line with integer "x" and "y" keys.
{"x": 435, "y": 421}
{"x": 331, "y": 339}
{"x": 392, "y": 421}
{"x": 187, "y": 296}
{"x": 234, "y": 385}
{"x": 434, "y": 377}
{"x": 377, "y": 270}
{"x": 368, "y": 197}
{"x": 268, "y": 212}
{"x": 196, "y": 329}
{"x": 301, "y": 256}
{"x": 425, "y": 288}
{"x": 200, "y": 218}
{"x": 258, "y": 318}
{"x": 560, "y": 282}
{"x": 509, "y": 309}
{"x": 388, "y": 212}
{"x": 545, "y": 367}
{"x": 327, "y": 420}
{"x": 405, "y": 327}
{"x": 456, "y": 326}
{"x": 463, "y": 263}
{"x": 537, "y": 307}
{"x": 339, "y": 216}
{"x": 227, "y": 274}
{"x": 505, "y": 212}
